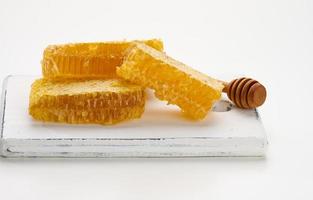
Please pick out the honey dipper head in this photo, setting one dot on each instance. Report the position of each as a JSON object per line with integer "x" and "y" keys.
{"x": 246, "y": 93}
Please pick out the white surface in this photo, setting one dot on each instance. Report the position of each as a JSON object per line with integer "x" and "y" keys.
{"x": 160, "y": 132}
{"x": 270, "y": 40}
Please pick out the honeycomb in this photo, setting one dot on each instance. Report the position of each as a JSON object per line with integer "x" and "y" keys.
{"x": 171, "y": 80}
{"x": 97, "y": 60}
{"x": 85, "y": 101}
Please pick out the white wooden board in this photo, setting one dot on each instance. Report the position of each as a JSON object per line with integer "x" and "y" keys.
{"x": 161, "y": 132}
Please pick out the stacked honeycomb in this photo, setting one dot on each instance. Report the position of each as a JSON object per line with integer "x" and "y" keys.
{"x": 172, "y": 81}
{"x": 93, "y": 60}
{"x": 83, "y": 83}
{"x": 86, "y": 101}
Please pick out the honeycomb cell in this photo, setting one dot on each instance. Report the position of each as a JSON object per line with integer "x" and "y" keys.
{"x": 173, "y": 81}
{"x": 91, "y": 60}
{"x": 86, "y": 101}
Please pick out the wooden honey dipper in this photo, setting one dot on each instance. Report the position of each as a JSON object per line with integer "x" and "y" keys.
{"x": 245, "y": 92}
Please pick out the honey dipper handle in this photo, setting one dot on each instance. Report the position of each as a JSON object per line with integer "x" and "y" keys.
{"x": 225, "y": 84}
{"x": 245, "y": 92}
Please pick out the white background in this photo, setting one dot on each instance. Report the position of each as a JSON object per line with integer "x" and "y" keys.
{"x": 270, "y": 40}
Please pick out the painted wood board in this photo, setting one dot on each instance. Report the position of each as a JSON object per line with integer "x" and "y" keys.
{"x": 161, "y": 132}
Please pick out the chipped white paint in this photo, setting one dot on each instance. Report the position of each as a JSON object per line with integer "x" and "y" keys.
{"x": 161, "y": 132}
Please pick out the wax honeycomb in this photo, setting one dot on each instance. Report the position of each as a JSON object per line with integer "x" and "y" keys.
{"x": 172, "y": 80}
{"x": 85, "y": 101}
{"x": 81, "y": 60}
